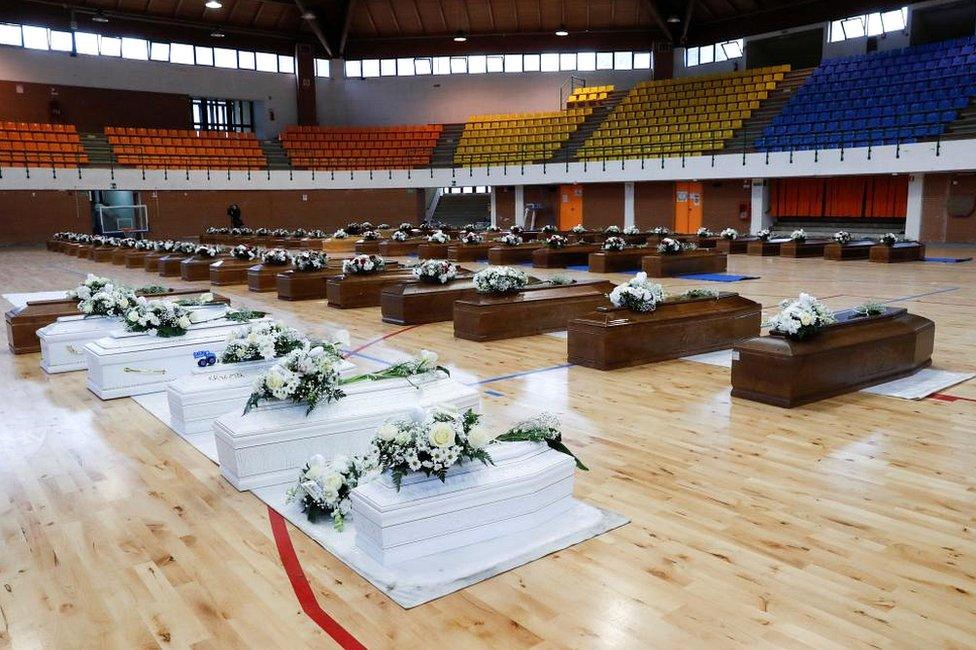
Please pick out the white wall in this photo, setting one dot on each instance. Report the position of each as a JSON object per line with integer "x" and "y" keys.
{"x": 270, "y": 91}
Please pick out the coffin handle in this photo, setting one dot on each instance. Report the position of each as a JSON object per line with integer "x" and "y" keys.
{"x": 145, "y": 371}
{"x": 73, "y": 350}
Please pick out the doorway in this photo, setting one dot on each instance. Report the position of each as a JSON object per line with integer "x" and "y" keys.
{"x": 570, "y": 206}
{"x": 687, "y": 207}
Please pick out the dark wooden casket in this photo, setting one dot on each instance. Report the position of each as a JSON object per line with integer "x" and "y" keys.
{"x": 628, "y": 259}
{"x": 264, "y": 277}
{"x": 613, "y": 337}
{"x": 118, "y": 256}
{"x": 527, "y": 313}
{"x": 415, "y": 302}
{"x": 560, "y": 258}
{"x": 390, "y": 248}
{"x": 84, "y": 251}
{"x": 72, "y": 249}
{"x": 766, "y": 248}
{"x": 53, "y": 245}
{"x": 357, "y": 290}
{"x": 151, "y": 261}
{"x": 852, "y": 354}
{"x": 196, "y": 268}
{"x": 512, "y": 254}
{"x": 134, "y": 259}
{"x": 169, "y": 265}
{"x": 855, "y": 250}
{"x": 685, "y": 263}
{"x": 302, "y": 285}
{"x": 312, "y": 243}
{"x": 458, "y": 252}
{"x": 228, "y": 271}
{"x": 101, "y": 253}
{"x": 808, "y": 248}
{"x": 700, "y": 242}
{"x": 368, "y": 246}
{"x": 431, "y": 251}
{"x": 909, "y": 251}
{"x": 737, "y": 246}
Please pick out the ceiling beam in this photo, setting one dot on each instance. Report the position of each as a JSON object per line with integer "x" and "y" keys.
{"x": 688, "y": 13}
{"x": 313, "y": 24}
{"x": 656, "y": 15}
{"x": 346, "y": 22}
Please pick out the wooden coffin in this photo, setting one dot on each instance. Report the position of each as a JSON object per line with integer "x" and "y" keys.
{"x": 311, "y": 243}
{"x": 169, "y": 265}
{"x": 765, "y": 248}
{"x": 639, "y": 239}
{"x": 738, "y": 246}
{"x": 431, "y": 251}
{"x": 613, "y": 337}
{"x": 592, "y": 237}
{"x": 101, "y": 253}
{"x": 901, "y": 252}
{"x": 134, "y": 259}
{"x": 118, "y": 256}
{"x": 151, "y": 261}
{"x": 392, "y": 248}
{"x": 354, "y": 291}
{"x": 855, "y": 250}
{"x": 302, "y": 285}
{"x": 263, "y": 277}
{"x": 87, "y": 251}
{"x": 808, "y": 248}
{"x": 195, "y": 269}
{"x": 52, "y": 245}
{"x": 370, "y": 246}
{"x": 628, "y": 259}
{"x": 414, "y": 302}
{"x": 686, "y": 263}
{"x": 468, "y": 252}
{"x": 347, "y": 245}
{"x": 560, "y": 258}
{"x": 705, "y": 242}
{"x": 527, "y": 313}
{"x": 512, "y": 254}
{"x": 852, "y": 354}
{"x": 229, "y": 271}
{"x": 72, "y": 249}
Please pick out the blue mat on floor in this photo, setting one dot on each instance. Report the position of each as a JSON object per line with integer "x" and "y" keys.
{"x": 718, "y": 277}
{"x": 578, "y": 267}
{"x": 948, "y": 260}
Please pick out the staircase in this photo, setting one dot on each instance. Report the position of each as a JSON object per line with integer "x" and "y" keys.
{"x": 768, "y": 109}
{"x": 964, "y": 125}
{"x": 98, "y": 149}
{"x": 275, "y": 154}
{"x": 443, "y": 154}
{"x": 567, "y": 152}
{"x": 462, "y": 209}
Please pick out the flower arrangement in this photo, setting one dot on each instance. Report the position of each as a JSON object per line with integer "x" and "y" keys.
{"x": 577, "y": 229}
{"x": 162, "y": 319}
{"x": 688, "y": 246}
{"x": 439, "y": 237}
{"x": 425, "y": 362}
{"x": 185, "y": 248}
{"x": 561, "y": 280}
{"x": 340, "y": 234}
{"x": 317, "y": 234}
{"x": 144, "y": 245}
{"x": 557, "y": 241}
{"x": 842, "y": 237}
{"x": 92, "y": 285}
{"x": 128, "y": 242}
{"x": 515, "y": 230}
{"x": 660, "y": 230}
{"x": 164, "y": 246}
{"x": 612, "y": 230}
{"x": 500, "y": 279}
{"x": 369, "y": 235}
{"x": 730, "y": 234}
{"x": 637, "y": 294}
{"x": 470, "y": 239}
{"x": 614, "y": 244}
{"x": 203, "y": 299}
{"x": 547, "y": 229}
{"x": 263, "y": 232}
{"x": 799, "y": 235}
{"x": 764, "y": 234}
{"x": 541, "y": 428}
{"x": 323, "y": 488}
{"x": 509, "y": 239}
{"x": 280, "y": 232}
{"x": 243, "y": 252}
{"x": 83, "y": 239}
{"x": 214, "y": 230}
{"x": 307, "y": 261}
{"x": 704, "y": 232}
{"x": 632, "y": 230}
{"x": 244, "y": 315}
{"x": 405, "y": 227}
{"x": 152, "y": 290}
{"x": 871, "y": 308}
{"x": 363, "y": 264}
{"x": 890, "y": 239}
{"x": 354, "y": 228}
{"x": 366, "y": 225}
{"x": 261, "y": 341}
{"x": 692, "y": 294}
{"x": 242, "y": 231}
{"x": 207, "y": 252}
{"x": 276, "y": 257}
{"x": 432, "y": 446}
{"x": 801, "y": 318}
{"x": 109, "y": 301}
{"x": 493, "y": 229}
{"x": 669, "y": 246}
{"x": 435, "y": 271}
{"x": 383, "y": 226}
{"x": 306, "y": 375}
{"x": 299, "y": 232}
{"x": 399, "y": 235}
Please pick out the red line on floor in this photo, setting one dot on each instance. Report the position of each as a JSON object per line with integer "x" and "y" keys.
{"x": 942, "y": 397}
{"x": 303, "y": 590}
{"x": 383, "y": 338}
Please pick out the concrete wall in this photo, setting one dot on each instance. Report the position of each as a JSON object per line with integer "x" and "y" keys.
{"x": 942, "y": 219}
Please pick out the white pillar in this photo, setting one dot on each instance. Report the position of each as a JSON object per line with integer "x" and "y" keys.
{"x": 760, "y": 206}
{"x": 629, "y": 204}
{"x": 494, "y": 208}
{"x": 519, "y": 205}
{"x": 913, "y": 214}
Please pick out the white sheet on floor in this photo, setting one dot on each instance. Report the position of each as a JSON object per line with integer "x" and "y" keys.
{"x": 920, "y": 385}
{"x": 21, "y": 299}
{"x": 558, "y": 335}
{"x": 721, "y": 358}
{"x": 158, "y": 406}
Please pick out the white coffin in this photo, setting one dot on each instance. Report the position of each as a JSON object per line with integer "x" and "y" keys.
{"x": 199, "y": 398}
{"x": 268, "y": 445}
{"x": 63, "y": 341}
{"x": 124, "y": 364}
{"x": 529, "y": 485}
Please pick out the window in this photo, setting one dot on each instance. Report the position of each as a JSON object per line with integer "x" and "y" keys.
{"x": 442, "y": 65}
{"x": 35, "y": 38}
{"x": 623, "y": 60}
{"x": 222, "y": 114}
{"x": 496, "y": 63}
{"x": 203, "y": 55}
{"x": 716, "y": 53}
{"x": 224, "y": 58}
{"x": 567, "y": 62}
{"x": 642, "y": 60}
{"x": 135, "y": 48}
{"x": 869, "y": 25}
{"x": 108, "y": 46}
{"x": 388, "y": 68}
{"x": 550, "y": 62}
{"x": 354, "y": 69}
{"x": 86, "y": 43}
{"x": 266, "y": 62}
{"x": 371, "y": 68}
{"x": 10, "y": 35}
{"x": 159, "y": 52}
{"x": 405, "y": 67}
{"x": 477, "y": 64}
{"x": 532, "y": 63}
{"x": 286, "y": 64}
{"x": 604, "y": 60}
{"x": 321, "y": 67}
{"x": 513, "y": 63}
{"x": 586, "y": 61}
{"x": 245, "y": 60}
{"x": 424, "y": 66}
{"x": 459, "y": 64}
{"x": 61, "y": 41}
{"x": 180, "y": 53}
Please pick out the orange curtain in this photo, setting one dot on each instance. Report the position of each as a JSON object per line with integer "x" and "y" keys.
{"x": 797, "y": 197}
{"x": 845, "y": 197}
{"x": 887, "y": 196}
{"x": 842, "y": 197}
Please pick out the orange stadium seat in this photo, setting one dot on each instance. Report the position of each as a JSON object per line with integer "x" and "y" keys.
{"x": 391, "y": 147}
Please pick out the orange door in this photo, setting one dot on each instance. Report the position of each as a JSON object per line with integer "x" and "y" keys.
{"x": 687, "y": 207}
{"x": 570, "y": 206}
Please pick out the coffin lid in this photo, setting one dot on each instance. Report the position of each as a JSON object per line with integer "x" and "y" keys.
{"x": 121, "y": 342}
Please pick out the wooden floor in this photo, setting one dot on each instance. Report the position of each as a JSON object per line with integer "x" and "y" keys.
{"x": 848, "y": 523}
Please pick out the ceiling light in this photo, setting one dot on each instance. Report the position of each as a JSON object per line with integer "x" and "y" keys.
{"x": 99, "y": 18}
{"x": 308, "y": 15}
{"x": 213, "y": 4}
{"x": 217, "y": 34}
{"x": 673, "y": 19}
{"x": 562, "y": 31}
{"x": 460, "y": 38}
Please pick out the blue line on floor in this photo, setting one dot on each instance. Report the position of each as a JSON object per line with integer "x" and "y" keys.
{"x": 520, "y": 374}
{"x": 921, "y": 295}
{"x": 494, "y": 393}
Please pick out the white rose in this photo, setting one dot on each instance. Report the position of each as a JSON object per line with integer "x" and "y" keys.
{"x": 387, "y": 432}
{"x": 402, "y": 437}
{"x": 316, "y": 473}
{"x": 429, "y": 358}
{"x": 316, "y": 460}
{"x": 441, "y": 434}
{"x": 274, "y": 381}
{"x": 333, "y": 481}
{"x": 207, "y": 297}
{"x": 480, "y": 436}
